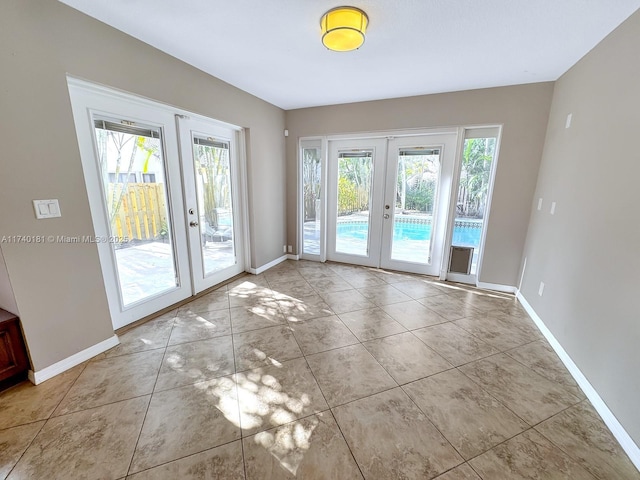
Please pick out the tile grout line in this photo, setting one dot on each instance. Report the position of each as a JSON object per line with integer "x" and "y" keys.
{"x": 144, "y": 419}
{"x": 45, "y": 420}
{"x": 235, "y": 370}
{"x": 28, "y": 445}
{"x": 456, "y": 367}
{"x": 331, "y": 408}
{"x": 481, "y": 387}
{"x": 397, "y": 384}
{"x": 182, "y": 458}
{"x": 577, "y": 460}
{"x": 346, "y": 443}
{"x": 436, "y": 427}
{"x": 328, "y": 406}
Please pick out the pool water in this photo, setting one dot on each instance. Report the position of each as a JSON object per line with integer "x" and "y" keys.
{"x": 462, "y": 235}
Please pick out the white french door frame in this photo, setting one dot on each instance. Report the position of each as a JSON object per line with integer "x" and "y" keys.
{"x": 187, "y": 127}
{"x": 325, "y": 147}
{"x": 462, "y": 136}
{"x": 308, "y": 143}
{"x": 447, "y": 144}
{"x": 450, "y": 216}
{"x": 88, "y": 100}
{"x": 378, "y": 147}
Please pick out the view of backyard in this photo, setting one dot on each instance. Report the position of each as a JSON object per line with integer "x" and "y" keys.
{"x": 416, "y": 187}
{"x": 132, "y": 168}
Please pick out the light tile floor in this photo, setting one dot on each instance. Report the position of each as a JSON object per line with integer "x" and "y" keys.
{"x": 317, "y": 371}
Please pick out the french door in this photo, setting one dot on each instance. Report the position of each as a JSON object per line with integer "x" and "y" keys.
{"x": 164, "y": 197}
{"x": 388, "y": 199}
{"x": 211, "y": 187}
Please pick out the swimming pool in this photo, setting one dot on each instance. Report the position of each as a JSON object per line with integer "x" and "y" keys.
{"x": 465, "y": 233}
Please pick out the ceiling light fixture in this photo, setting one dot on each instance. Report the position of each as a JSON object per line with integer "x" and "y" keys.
{"x": 343, "y": 28}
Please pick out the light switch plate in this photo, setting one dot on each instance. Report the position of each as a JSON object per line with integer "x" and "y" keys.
{"x": 47, "y": 208}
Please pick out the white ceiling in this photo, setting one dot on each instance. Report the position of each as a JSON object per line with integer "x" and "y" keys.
{"x": 272, "y": 48}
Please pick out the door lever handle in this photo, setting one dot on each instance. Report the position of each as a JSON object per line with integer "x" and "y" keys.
{"x": 386, "y": 215}
{"x": 193, "y": 224}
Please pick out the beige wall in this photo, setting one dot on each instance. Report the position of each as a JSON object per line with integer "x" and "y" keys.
{"x": 7, "y": 300}
{"x": 523, "y": 110}
{"x": 58, "y": 288}
{"x": 587, "y": 253}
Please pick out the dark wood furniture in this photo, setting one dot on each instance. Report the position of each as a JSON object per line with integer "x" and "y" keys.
{"x": 14, "y": 362}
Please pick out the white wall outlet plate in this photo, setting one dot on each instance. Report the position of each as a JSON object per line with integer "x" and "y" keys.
{"x": 47, "y": 208}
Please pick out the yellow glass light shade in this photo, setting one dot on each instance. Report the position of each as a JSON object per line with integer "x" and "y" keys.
{"x": 343, "y": 28}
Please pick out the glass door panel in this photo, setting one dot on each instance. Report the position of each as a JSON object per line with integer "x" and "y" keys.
{"x": 132, "y": 166}
{"x": 215, "y": 205}
{"x": 355, "y": 181}
{"x": 473, "y": 193}
{"x": 211, "y": 186}
{"x": 418, "y": 193}
{"x": 311, "y": 198}
{"x": 355, "y": 174}
{"x": 388, "y": 201}
{"x": 417, "y": 178}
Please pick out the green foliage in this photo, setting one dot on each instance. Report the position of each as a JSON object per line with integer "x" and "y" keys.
{"x": 347, "y": 196}
{"x": 474, "y": 177}
{"x": 421, "y": 197}
{"x": 416, "y": 182}
{"x": 310, "y": 181}
{"x": 354, "y": 184}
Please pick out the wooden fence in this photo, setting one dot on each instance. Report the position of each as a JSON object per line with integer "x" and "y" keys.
{"x": 142, "y": 211}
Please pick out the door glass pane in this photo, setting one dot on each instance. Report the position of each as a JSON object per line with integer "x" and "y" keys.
{"x": 471, "y": 204}
{"x": 355, "y": 173}
{"x": 416, "y": 187}
{"x": 215, "y": 210}
{"x": 311, "y": 178}
{"x": 139, "y": 220}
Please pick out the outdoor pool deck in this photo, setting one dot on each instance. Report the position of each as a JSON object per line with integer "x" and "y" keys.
{"x": 354, "y": 242}
{"x": 148, "y": 269}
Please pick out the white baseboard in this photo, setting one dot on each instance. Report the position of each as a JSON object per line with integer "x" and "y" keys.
{"x": 618, "y": 431}
{"x": 293, "y": 257}
{"x": 70, "y": 362}
{"x": 497, "y": 287}
{"x": 267, "y": 266}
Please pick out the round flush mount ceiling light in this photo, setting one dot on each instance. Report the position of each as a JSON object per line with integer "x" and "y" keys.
{"x": 343, "y": 28}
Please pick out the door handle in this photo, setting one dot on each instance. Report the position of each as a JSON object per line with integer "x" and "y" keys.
{"x": 386, "y": 215}
{"x": 193, "y": 224}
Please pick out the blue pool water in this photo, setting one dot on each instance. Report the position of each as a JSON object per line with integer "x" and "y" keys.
{"x": 463, "y": 235}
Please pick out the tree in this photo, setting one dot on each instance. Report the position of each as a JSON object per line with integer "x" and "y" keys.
{"x": 355, "y": 175}
{"x": 311, "y": 172}
{"x": 212, "y": 164}
{"x": 417, "y": 181}
{"x": 474, "y": 177}
{"x": 121, "y": 142}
